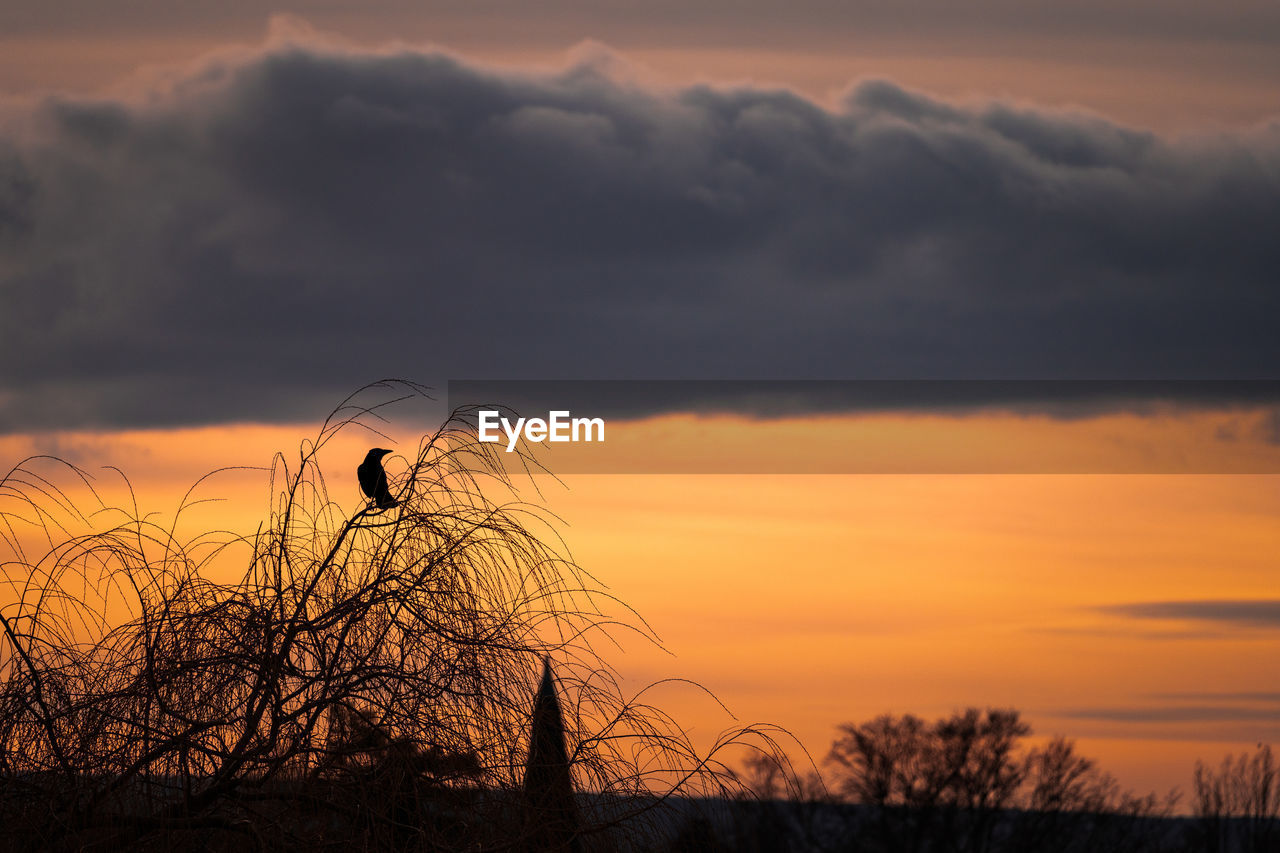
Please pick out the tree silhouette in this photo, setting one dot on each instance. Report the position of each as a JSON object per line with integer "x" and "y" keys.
{"x": 1239, "y": 804}
{"x": 946, "y": 780}
{"x": 364, "y": 683}
{"x": 967, "y": 783}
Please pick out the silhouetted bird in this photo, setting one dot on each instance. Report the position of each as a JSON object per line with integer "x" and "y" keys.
{"x": 373, "y": 480}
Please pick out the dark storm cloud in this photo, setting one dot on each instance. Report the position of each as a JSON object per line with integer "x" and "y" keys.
{"x": 278, "y": 228}
{"x": 1248, "y": 613}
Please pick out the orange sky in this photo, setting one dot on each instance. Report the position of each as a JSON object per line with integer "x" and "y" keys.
{"x": 813, "y": 600}
{"x": 809, "y": 600}
{"x": 915, "y": 579}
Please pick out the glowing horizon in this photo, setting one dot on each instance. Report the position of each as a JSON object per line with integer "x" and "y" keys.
{"x": 811, "y": 600}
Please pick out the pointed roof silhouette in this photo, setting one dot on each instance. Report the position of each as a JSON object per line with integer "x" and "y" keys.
{"x": 552, "y": 817}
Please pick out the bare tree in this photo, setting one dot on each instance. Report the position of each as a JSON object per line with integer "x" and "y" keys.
{"x": 1238, "y": 805}
{"x": 931, "y": 784}
{"x": 1069, "y": 804}
{"x": 766, "y": 776}
{"x": 967, "y": 783}
{"x": 366, "y": 682}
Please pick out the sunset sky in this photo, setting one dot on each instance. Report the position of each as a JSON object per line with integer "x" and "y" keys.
{"x": 216, "y": 223}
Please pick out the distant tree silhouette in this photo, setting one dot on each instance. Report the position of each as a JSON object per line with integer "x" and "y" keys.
{"x": 968, "y": 783}
{"x": 1238, "y": 805}
{"x": 769, "y": 777}
{"x": 1069, "y": 805}
{"x": 945, "y": 780}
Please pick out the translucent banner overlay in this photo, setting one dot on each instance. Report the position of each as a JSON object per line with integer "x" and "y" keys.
{"x": 880, "y": 426}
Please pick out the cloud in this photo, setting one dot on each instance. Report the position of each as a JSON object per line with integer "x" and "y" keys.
{"x": 277, "y": 227}
{"x": 1174, "y": 714}
{"x": 1203, "y": 695}
{"x": 1196, "y": 707}
{"x": 1128, "y": 633}
{"x": 1261, "y": 613}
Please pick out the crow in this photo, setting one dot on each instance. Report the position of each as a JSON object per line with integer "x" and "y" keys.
{"x": 373, "y": 480}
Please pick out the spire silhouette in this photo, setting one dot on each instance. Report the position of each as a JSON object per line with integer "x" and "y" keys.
{"x": 548, "y": 786}
{"x": 373, "y": 479}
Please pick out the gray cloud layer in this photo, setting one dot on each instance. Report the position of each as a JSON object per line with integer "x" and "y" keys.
{"x": 1181, "y": 714}
{"x": 1264, "y": 613}
{"x": 279, "y": 228}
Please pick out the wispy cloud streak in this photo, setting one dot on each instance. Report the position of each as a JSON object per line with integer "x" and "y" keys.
{"x": 1264, "y": 613}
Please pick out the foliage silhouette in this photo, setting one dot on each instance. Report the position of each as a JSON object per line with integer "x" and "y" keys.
{"x": 365, "y": 683}
{"x": 966, "y": 783}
